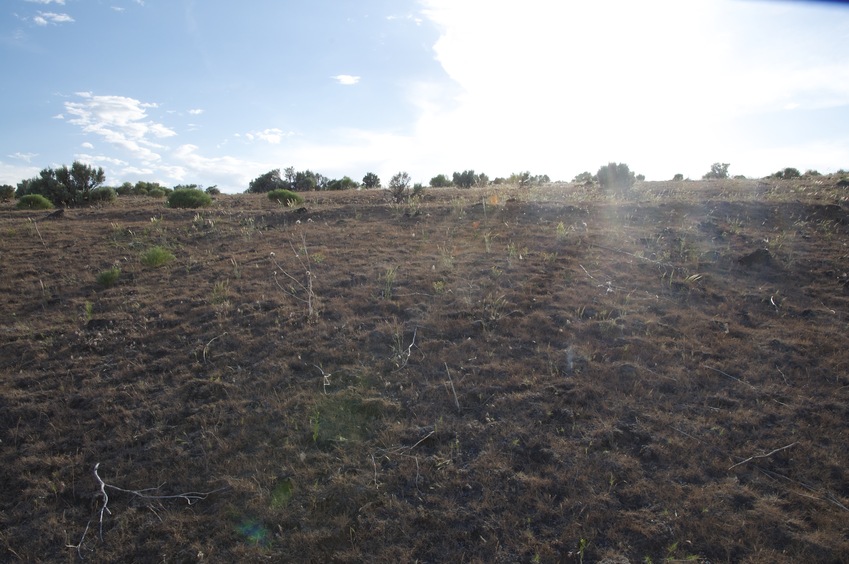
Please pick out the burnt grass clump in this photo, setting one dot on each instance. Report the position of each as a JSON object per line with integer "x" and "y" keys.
{"x": 490, "y": 375}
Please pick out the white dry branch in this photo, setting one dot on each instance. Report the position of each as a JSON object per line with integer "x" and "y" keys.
{"x": 306, "y": 287}
{"x": 190, "y": 497}
{"x": 403, "y": 357}
{"x": 767, "y": 455}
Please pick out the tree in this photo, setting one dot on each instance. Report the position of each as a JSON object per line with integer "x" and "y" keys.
{"x": 521, "y": 178}
{"x": 64, "y": 186}
{"x": 616, "y": 176}
{"x": 481, "y": 180}
{"x": 267, "y": 182}
{"x": 7, "y": 192}
{"x": 465, "y": 179}
{"x": 678, "y": 177}
{"x": 717, "y": 171}
{"x": 371, "y": 180}
{"x": 440, "y": 181}
{"x": 305, "y": 181}
{"x": 398, "y": 186}
{"x": 788, "y": 173}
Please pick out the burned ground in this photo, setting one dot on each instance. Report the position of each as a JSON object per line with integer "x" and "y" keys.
{"x": 488, "y": 375}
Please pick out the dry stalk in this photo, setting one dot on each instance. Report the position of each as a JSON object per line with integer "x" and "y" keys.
{"x": 306, "y": 287}
{"x": 450, "y": 381}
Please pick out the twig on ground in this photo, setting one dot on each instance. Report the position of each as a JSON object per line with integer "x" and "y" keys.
{"x": 717, "y": 370}
{"x": 326, "y": 377}
{"x": 404, "y": 357}
{"x": 762, "y": 455}
{"x": 450, "y": 381}
{"x": 206, "y": 348}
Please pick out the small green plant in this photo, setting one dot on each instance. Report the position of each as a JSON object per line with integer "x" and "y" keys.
{"x": 562, "y": 232}
{"x": 108, "y": 278}
{"x": 189, "y": 198}
{"x": 34, "y": 202}
{"x": 285, "y": 197}
{"x": 88, "y": 311}
{"x": 220, "y": 292}
{"x": 582, "y": 547}
{"x": 439, "y": 286}
{"x": 156, "y": 256}
{"x": 388, "y": 280}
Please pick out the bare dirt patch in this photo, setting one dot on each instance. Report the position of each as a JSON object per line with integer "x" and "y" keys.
{"x": 485, "y": 375}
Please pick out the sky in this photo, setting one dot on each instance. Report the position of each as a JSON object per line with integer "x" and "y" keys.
{"x": 217, "y": 92}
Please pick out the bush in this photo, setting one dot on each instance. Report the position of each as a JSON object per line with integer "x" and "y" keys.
{"x": 213, "y": 191}
{"x": 102, "y": 195}
{"x": 7, "y": 192}
{"x": 156, "y": 256}
{"x": 64, "y": 186}
{"x": 585, "y": 177}
{"x": 285, "y": 197}
{"x": 157, "y": 192}
{"x": 108, "y": 278}
{"x": 616, "y": 177}
{"x": 678, "y": 177}
{"x": 641, "y": 177}
{"x": 810, "y": 172}
{"x": 34, "y": 202}
{"x": 189, "y": 198}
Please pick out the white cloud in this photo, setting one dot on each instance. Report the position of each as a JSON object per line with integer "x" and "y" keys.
{"x": 561, "y": 87}
{"x": 45, "y": 18}
{"x": 346, "y": 79}
{"x": 60, "y": 2}
{"x": 87, "y": 145}
{"x": 99, "y": 160}
{"x": 12, "y": 174}
{"x": 195, "y": 112}
{"x": 26, "y": 157}
{"x": 121, "y": 121}
{"x": 272, "y": 135}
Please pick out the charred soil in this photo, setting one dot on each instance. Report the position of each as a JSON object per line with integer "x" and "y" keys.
{"x": 486, "y": 375}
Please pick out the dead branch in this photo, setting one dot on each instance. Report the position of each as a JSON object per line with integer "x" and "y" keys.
{"x": 190, "y": 497}
{"x": 767, "y": 455}
{"x": 450, "y": 381}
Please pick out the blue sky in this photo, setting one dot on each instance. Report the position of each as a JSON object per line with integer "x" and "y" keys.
{"x": 217, "y": 92}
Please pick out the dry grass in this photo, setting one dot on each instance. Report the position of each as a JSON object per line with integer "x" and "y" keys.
{"x": 492, "y": 375}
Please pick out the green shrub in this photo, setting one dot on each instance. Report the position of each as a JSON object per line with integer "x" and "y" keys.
{"x": 157, "y": 192}
{"x": 717, "y": 171}
{"x": 213, "y": 191}
{"x": 34, "y": 202}
{"x": 189, "y": 198}
{"x": 678, "y": 177}
{"x": 102, "y": 195}
{"x": 156, "y": 256}
{"x": 108, "y": 278}
{"x": 7, "y": 192}
{"x": 616, "y": 177}
{"x": 285, "y": 197}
